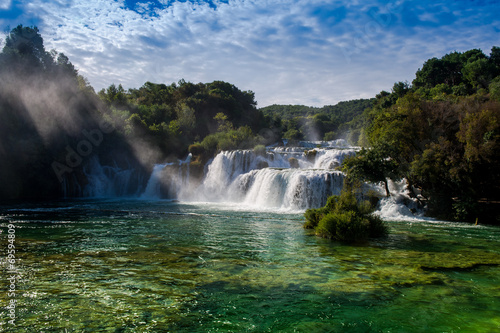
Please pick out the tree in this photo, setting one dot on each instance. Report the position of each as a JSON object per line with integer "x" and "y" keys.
{"x": 224, "y": 125}
{"x": 24, "y": 50}
{"x": 400, "y": 88}
{"x": 345, "y": 219}
{"x": 479, "y": 73}
{"x": 186, "y": 116}
{"x": 114, "y": 96}
{"x": 494, "y": 89}
{"x": 373, "y": 165}
{"x": 65, "y": 66}
{"x": 292, "y": 134}
{"x": 432, "y": 72}
{"x": 495, "y": 59}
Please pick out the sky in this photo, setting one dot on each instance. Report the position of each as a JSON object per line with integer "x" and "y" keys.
{"x": 309, "y": 52}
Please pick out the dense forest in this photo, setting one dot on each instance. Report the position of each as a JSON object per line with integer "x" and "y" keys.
{"x": 53, "y": 122}
{"x": 329, "y": 122}
{"x": 440, "y": 132}
{"x": 46, "y": 109}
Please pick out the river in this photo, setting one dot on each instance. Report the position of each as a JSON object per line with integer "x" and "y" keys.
{"x": 228, "y": 253}
{"x": 136, "y": 265}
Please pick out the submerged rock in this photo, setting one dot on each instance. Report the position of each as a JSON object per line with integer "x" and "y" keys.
{"x": 262, "y": 165}
{"x": 294, "y": 163}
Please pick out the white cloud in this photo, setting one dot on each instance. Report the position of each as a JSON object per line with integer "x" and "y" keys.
{"x": 5, "y": 4}
{"x": 307, "y": 52}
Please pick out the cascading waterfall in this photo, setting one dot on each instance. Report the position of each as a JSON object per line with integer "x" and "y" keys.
{"x": 108, "y": 181}
{"x": 271, "y": 180}
{"x": 167, "y": 180}
{"x": 399, "y": 206}
{"x": 153, "y": 186}
{"x": 285, "y": 178}
{"x": 290, "y": 189}
{"x": 228, "y": 165}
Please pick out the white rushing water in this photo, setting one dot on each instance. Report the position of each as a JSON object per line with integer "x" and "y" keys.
{"x": 153, "y": 187}
{"x": 284, "y": 178}
{"x": 107, "y": 181}
{"x": 167, "y": 180}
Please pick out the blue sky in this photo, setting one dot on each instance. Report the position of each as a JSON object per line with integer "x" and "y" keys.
{"x": 309, "y": 52}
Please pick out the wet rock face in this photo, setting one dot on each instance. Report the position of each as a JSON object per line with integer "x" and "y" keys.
{"x": 262, "y": 165}
{"x": 294, "y": 163}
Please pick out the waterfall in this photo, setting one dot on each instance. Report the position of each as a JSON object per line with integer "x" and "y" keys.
{"x": 153, "y": 187}
{"x": 399, "y": 206}
{"x": 289, "y": 189}
{"x": 272, "y": 180}
{"x": 289, "y": 178}
{"x": 107, "y": 181}
{"x": 168, "y": 180}
{"x": 331, "y": 159}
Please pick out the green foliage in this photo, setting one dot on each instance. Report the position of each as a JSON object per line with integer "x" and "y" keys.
{"x": 241, "y": 138}
{"x": 345, "y": 219}
{"x": 84, "y": 86}
{"x": 327, "y": 123}
{"x": 494, "y": 89}
{"x": 135, "y": 125}
{"x": 288, "y": 112}
{"x": 260, "y": 150}
{"x": 114, "y": 96}
{"x": 292, "y": 134}
{"x": 329, "y": 136}
{"x": 223, "y": 124}
{"x": 24, "y": 52}
{"x": 464, "y": 209}
{"x": 479, "y": 72}
{"x": 186, "y": 117}
{"x": 442, "y": 134}
{"x": 468, "y": 71}
{"x": 480, "y": 133}
{"x": 179, "y": 114}
{"x": 400, "y": 88}
{"x": 344, "y": 227}
{"x": 313, "y": 216}
{"x": 447, "y": 148}
{"x": 373, "y": 165}
{"x": 174, "y": 129}
{"x": 196, "y": 149}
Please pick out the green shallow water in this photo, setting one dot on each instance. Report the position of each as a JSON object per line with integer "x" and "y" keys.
{"x": 138, "y": 266}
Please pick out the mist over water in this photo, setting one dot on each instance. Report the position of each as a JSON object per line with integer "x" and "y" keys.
{"x": 227, "y": 252}
{"x": 284, "y": 178}
{"x": 132, "y": 236}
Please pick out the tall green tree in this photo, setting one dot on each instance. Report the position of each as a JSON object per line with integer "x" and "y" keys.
{"x": 25, "y": 51}
{"x": 375, "y": 164}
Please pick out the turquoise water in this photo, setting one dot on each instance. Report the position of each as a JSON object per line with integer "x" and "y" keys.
{"x": 159, "y": 266}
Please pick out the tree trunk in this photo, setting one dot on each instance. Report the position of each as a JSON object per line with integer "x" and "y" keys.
{"x": 387, "y": 193}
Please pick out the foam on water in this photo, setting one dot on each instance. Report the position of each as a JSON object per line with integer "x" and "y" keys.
{"x": 282, "y": 179}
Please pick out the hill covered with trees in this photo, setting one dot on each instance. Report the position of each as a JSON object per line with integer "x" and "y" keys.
{"x": 46, "y": 110}
{"x": 51, "y": 121}
{"x": 299, "y": 122}
{"x": 442, "y": 134}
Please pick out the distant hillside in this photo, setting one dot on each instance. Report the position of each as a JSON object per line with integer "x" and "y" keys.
{"x": 343, "y": 110}
{"x": 325, "y": 123}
